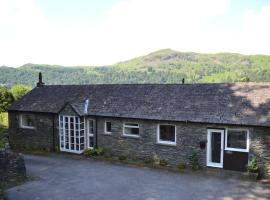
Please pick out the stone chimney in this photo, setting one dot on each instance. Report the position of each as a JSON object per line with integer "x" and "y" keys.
{"x": 40, "y": 83}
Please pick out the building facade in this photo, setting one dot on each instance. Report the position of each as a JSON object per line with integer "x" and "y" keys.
{"x": 222, "y": 141}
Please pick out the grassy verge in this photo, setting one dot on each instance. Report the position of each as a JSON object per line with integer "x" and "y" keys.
{"x": 3, "y": 127}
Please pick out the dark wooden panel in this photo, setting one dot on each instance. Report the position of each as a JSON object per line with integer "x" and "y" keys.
{"x": 236, "y": 161}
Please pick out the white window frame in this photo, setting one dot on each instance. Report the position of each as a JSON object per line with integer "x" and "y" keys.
{"x": 80, "y": 128}
{"x": 236, "y": 149}
{"x": 159, "y": 141}
{"x": 21, "y": 123}
{"x": 105, "y": 128}
{"x": 128, "y": 126}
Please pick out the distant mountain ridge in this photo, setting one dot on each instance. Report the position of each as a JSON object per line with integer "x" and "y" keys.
{"x": 163, "y": 66}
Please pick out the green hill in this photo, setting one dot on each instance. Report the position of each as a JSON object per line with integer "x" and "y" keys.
{"x": 163, "y": 66}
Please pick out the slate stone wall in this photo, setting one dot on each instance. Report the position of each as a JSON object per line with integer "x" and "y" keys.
{"x": 260, "y": 147}
{"x": 41, "y": 137}
{"x": 188, "y": 136}
{"x": 145, "y": 147}
{"x": 12, "y": 167}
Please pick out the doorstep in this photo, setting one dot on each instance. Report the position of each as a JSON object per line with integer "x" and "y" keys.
{"x": 228, "y": 174}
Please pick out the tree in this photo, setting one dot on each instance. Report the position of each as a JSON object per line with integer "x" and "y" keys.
{"x": 18, "y": 91}
{"x": 6, "y": 98}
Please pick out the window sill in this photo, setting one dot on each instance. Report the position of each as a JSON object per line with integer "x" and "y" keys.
{"x": 131, "y": 136}
{"x": 27, "y": 127}
{"x": 166, "y": 144}
{"x": 236, "y": 150}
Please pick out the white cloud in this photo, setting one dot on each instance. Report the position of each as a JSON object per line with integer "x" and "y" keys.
{"x": 130, "y": 28}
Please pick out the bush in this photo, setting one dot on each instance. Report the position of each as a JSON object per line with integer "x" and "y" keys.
{"x": 122, "y": 157}
{"x": 182, "y": 166}
{"x": 163, "y": 163}
{"x": 253, "y": 166}
{"x": 194, "y": 161}
{"x": 6, "y": 98}
{"x": 19, "y": 91}
{"x": 94, "y": 152}
{"x": 3, "y": 128}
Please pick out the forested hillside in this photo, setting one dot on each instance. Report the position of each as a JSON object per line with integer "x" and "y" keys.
{"x": 164, "y": 66}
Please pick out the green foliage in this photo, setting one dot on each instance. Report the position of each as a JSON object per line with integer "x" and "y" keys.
{"x": 194, "y": 161}
{"x": 163, "y": 163}
{"x": 182, "y": 166}
{"x": 164, "y": 66}
{"x": 94, "y": 152}
{"x": 19, "y": 91}
{"x": 122, "y": 157}
{"x": 253, "y": 166}
{"x": 3, "y": 128}
{"x": 6, "y": 98}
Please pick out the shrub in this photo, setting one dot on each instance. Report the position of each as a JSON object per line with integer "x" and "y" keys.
{"x": 163, "y": 163}
{"x": 122, "y": 157}
{"x": 194, "y": 161}
{"x": 253, "y": 166}
{"x": 99, "y": 151}
{"x": 94, "y": 152}
{"x": 182, "y": 166}
{"x": 18, "y": 91}
{"x": 6, "y": 98}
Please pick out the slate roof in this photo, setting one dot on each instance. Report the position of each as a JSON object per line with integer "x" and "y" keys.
{"x": 241, "y": 103}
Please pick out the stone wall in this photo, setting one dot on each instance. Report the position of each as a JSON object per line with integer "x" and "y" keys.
{"x": 145, "y": 147}
{"x": 41, "y": 137}
{"x": 12, "y": 167}
{"x": 189, "y": 136}
{"x": 260, "y": 147}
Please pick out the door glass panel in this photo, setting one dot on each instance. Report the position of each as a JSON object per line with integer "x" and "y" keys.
{"x": 71, "y": 133}
{"x": 215, "y": 147}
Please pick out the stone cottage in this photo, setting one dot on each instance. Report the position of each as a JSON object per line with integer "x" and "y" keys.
{"x": 226, "y": 124}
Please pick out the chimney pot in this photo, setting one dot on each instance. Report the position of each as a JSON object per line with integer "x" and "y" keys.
{"x": 40, "y": 83}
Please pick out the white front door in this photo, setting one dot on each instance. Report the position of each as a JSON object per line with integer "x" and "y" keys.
{"x": 90, "y": 133}
{"x": 71, "y": 134}
{"x": 215, "y": 147}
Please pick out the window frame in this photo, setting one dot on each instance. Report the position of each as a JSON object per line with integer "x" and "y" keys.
{"x": 236, "y": 149}
{"x": 105, "y": 128}
{"x": 128, "y": 126}
{"x": 23, "y": 126}
{"x": 159, "y": 141}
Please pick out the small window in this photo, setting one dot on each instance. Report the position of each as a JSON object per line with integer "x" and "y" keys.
{"x": 237, "y": 140}
{"x": 27, "y": 121}
{"x": 108, "y": 127}
{"x": 167, "y": 134}
{"x": 131, "y": 129}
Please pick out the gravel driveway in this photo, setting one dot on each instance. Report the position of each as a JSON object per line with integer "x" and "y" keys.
{"x": 70, "y": 177}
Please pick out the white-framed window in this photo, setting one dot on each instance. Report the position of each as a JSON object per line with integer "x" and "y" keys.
{"x": 237, "y": 140}
{"x": 131, "y": 129}
{"x": 107, "y": 127}
{"x": 166, "y": 134}
{"x": 27, "y": 121}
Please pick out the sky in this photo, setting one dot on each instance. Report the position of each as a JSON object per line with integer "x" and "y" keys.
{"x": 102, "y": 32}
